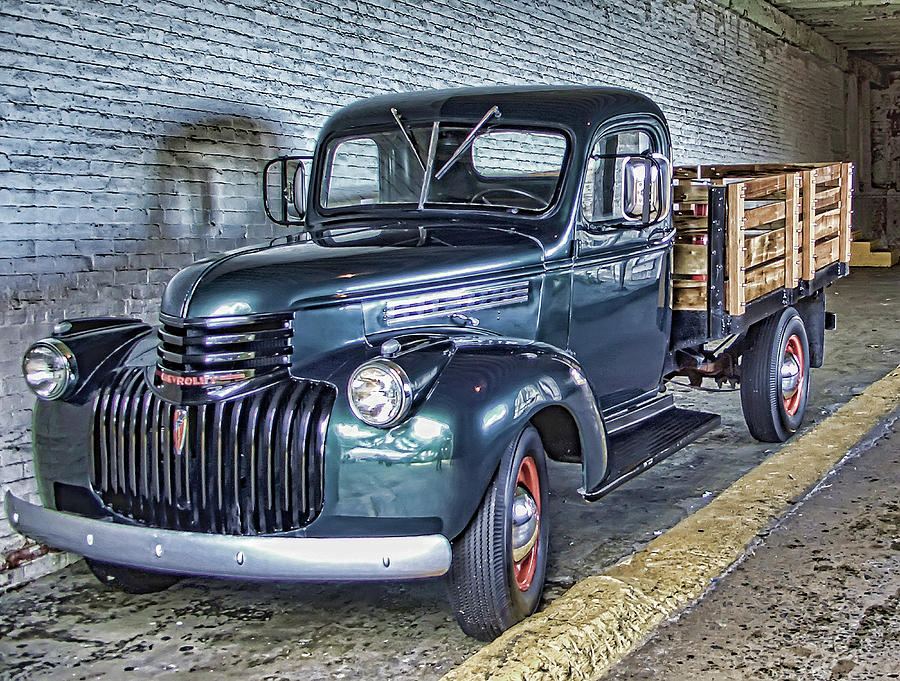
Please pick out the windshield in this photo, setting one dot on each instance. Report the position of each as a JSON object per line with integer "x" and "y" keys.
{"x": 505, "y": 168}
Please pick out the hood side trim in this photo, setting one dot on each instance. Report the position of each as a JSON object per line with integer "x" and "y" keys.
{"x": 456, "y": 301}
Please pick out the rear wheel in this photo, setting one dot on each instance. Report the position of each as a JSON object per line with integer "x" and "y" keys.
{"x": 131, "y": 580}
{"x": 775, "y": 376}
{"x": 500, "y": 560}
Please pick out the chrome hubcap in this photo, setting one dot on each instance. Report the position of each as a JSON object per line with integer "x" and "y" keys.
{"x": 790, "y": 376}
{"x": 525, "y": 524}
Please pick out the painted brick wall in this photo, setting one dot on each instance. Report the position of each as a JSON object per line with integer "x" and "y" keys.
{"x": 883, "y": 201}
{"x": 132, "y": 134}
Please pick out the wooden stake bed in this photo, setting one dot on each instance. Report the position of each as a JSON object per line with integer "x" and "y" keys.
{"x": 745, "y": 232}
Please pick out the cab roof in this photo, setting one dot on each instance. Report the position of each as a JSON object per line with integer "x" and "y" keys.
{"x": 579, "y": 108}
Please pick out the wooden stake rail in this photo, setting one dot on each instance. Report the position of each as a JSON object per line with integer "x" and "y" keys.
{"x": 782, "y": 225}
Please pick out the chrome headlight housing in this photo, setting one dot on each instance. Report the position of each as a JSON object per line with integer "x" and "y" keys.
{"x": 379, "y": 393}
{"x": 49, "y": 368}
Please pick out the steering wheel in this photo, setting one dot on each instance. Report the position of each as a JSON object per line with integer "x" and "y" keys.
{"x": 483, "y": 194}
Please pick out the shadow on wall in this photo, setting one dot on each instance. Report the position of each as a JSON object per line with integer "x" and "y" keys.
{"x": 205, "y": 184}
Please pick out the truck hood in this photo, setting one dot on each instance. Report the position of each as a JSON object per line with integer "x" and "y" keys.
{"x": 280, "y": 278}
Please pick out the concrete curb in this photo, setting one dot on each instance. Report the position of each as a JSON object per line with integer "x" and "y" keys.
{"x": 603, "y": 618}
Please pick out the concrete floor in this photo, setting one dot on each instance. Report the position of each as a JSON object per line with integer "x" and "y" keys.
{"x": 819, "y": 598}
{"x": 67, "y": 626}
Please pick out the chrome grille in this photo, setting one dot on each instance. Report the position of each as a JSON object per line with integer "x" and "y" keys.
{"x": 254, "y": 343}
{"x": 248, "y": 465}
{"x": 456, "y": 301}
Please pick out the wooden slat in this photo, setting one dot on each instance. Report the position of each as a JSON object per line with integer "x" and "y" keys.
{"x": 808, "y": 217}
{"x": 827, "y": 198}
{"x": 792, "y": 233}
{"x": 690, "y": 193}
{"x": 764, "y": 187}
{"x": 764, "y": 279}
{"x": 846, "y": 185}
{"x": 827, "y": 224}
{"x": 827, "y": 252}
{"x": 689, "y": 295}
{"x": 828, "y": 173}
{"x": 761, "y": 215}
{"x": 755, "y": 169}
{"x": 691, "y": 259}
{"x": 734, "y": 239}
{"x": 691, "y": 222}
{"x": 686, "y": 172}
{"x": 764, "y": 247}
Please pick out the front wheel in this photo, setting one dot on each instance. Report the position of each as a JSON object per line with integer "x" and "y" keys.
{"x": 775, "y": 376}
{"x": 500, "y": 560}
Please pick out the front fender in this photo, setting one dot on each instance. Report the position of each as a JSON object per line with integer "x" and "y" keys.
{"x": 434, "y": 468}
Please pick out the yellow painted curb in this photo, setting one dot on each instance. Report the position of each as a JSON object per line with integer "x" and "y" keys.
{"x": 603, "y": 618}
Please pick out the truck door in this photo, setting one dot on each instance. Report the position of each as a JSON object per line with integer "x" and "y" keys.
{"x": 620, "y": 316}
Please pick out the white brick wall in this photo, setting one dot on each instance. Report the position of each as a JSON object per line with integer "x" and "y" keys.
{"x": 132, "y": 134}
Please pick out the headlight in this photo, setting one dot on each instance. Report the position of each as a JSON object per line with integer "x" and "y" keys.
{"x": 49, "y": 368}
{"x": 379, "y": 393}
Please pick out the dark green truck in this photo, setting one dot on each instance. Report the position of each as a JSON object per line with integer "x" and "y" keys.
{"x": 475, "y": 280}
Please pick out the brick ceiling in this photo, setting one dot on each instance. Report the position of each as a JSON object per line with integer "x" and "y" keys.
{"x": 869, "y": 29}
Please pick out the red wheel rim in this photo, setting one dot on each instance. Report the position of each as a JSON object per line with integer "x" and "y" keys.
{"x": 528, "y": 478}
{"x": 793, "y": 355}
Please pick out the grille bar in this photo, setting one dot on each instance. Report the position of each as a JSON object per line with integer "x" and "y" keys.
{"x": 249, "y": 465}
{"x": 257, "y": 342}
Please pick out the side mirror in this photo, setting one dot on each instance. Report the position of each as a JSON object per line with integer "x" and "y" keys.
{"x": 632, "y": 180}
{"x": 663, "y": 189}
{"x": 643, "y": 189}
{"x": 284, "y": 189}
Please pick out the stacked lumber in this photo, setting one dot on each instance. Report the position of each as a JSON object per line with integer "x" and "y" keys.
{"x": 872, "y": 254}
{"x": 782, "y": 224}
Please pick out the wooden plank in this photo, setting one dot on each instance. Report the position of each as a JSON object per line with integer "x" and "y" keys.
{"x": 792, "y": 233}
{"x": 745, "y": 170}
{"x": 763, "y": 248}
{"x": 828, "y": 198}
{"x": 690, "y": 193}
{"x": 686, "y": 172}
{"x": 691, "y": 222}
{"x": 846, "y": 184}
{"x": 689, "y": 295}
{"x": 869, "y": 254}
{"x": 808, "y": 216}
{"x": 691, "y": 259}
{"x": 827, "y": 252}
{"x": 828, "y": 173}
{"x": 827, "y": 224}
{"x": 764, "y": 279}
{"x": 761, "y": 215}
{"x": 764, "y": 187}
{"x": 734, "y": 249}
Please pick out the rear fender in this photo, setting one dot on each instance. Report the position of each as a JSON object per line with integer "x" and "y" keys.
{"x": 812, "y": 311}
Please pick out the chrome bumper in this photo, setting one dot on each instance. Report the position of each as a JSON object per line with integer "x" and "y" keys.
{"x": 213, "y": 555}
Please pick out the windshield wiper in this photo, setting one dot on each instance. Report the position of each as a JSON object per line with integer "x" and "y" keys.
{"x": 493, "y": 111}
{"x": 407, "y": 136}
{"x": 429, "y": 164}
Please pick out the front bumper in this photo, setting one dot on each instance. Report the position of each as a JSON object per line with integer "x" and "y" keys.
{"x": 213, "y": 555}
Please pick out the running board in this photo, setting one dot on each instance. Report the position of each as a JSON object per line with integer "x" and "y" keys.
{"x": 634, "y": 450}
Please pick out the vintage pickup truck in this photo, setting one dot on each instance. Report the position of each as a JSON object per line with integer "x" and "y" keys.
{"x": 474, "y": 280}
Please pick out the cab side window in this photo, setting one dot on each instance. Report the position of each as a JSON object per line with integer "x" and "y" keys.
{"x": 597, "y": 196}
